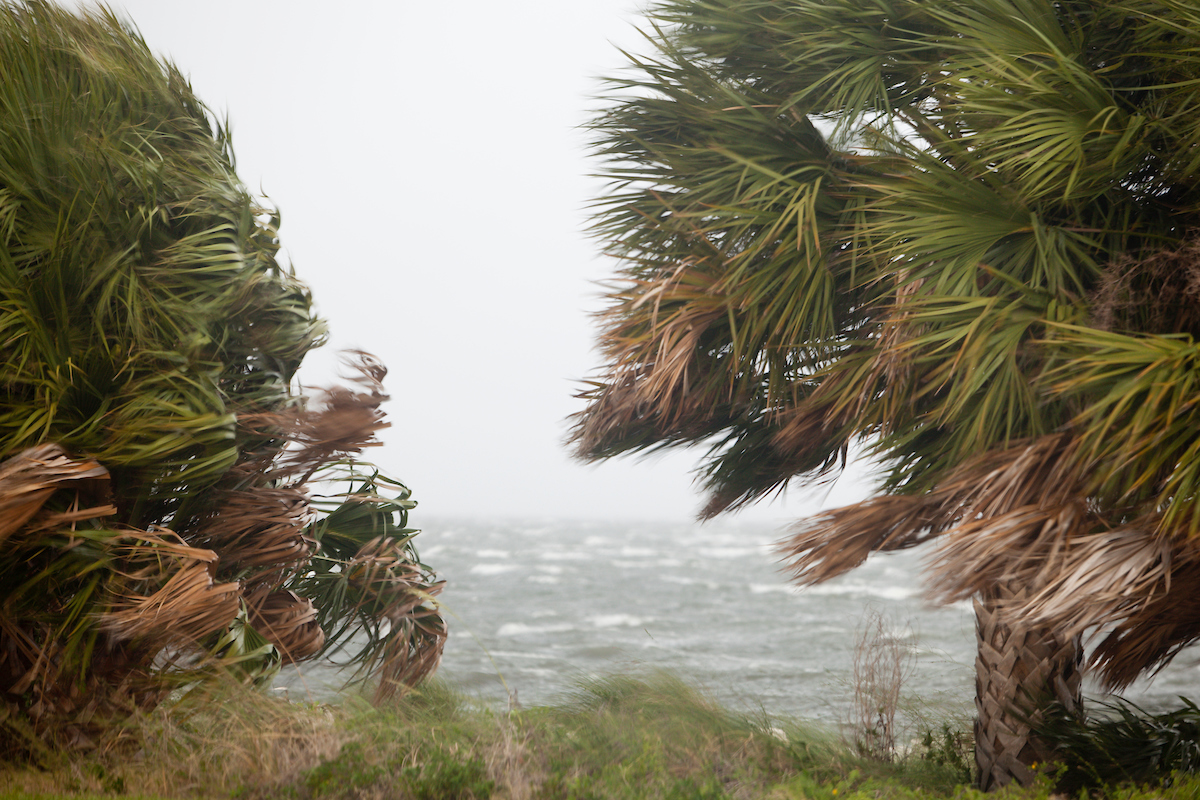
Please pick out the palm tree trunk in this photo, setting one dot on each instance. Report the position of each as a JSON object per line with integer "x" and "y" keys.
{"x": 1017, "y": 671}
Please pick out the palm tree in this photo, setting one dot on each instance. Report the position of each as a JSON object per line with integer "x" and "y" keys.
{"x": 963, "y": 235}
{"x": 154, "y": 455}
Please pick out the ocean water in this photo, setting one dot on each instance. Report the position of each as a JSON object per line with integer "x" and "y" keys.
{"x": 536, "y": 606}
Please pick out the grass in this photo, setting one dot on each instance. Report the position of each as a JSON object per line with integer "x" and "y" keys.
{"x": 618, "y": 737}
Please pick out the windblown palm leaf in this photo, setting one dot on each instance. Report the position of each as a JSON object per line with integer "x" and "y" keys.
{"x": 153, "y": 453}
{"x": 962, "y": 233}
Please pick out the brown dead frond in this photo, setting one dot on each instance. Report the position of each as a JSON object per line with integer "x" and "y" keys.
{"x": 803, "y": 426}
{"x": 833, "y": 542}
{"x": 288, "y": 621}
{"x": 810, "y": 420}
{"x": 1156, "y": 628}
{"x": 413, "y": 652}
{"x": 618, "y": 418}
{"x": 995, "y": 500}
{"x": 1022, "y": 546}
{"x": 337, "y": 425}
{"x": 663, "y": 382}
{"x": 615, "y": 409}
{"x": 1101, "y": 577}
{"x": 892, "y": 363}
{"x": 1008, "y": 515}
{"x": 28, "y": 479}
{"x": 345, "y": 422}
{"x": 261, "y": 531}
{"x": 660, "y": 377}
{"x": 386, "y": 579}
{"x": 1151, "y": 293}
{"x": 1039, "y": 472}
{"x": 167, "y": 597}
{"x": 673, "y": 369}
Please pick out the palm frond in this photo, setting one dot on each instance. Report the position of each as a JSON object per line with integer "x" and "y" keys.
{"x": 288, "y": 621}
{"x": 29, "y": 479}
{"x": 368, "y": 583}
{"x": 831, "y": 543}
{"x": 163, "y": 594}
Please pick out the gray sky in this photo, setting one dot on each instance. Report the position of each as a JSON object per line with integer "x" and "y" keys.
{"x": 431, "y": 173}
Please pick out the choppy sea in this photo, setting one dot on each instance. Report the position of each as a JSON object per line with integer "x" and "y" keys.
{"x": 535, "y": 606}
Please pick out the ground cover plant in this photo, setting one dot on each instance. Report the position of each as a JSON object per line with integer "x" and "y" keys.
{"x": 1120, "y": 742}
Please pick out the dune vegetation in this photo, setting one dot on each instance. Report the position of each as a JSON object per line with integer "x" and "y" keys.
{"x": 617, "y": 737}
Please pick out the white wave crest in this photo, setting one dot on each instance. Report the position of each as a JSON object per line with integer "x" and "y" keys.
{"x": 521, "y": 629}
{"x": 616, "y": 621}
{"x": 492, "y": 569}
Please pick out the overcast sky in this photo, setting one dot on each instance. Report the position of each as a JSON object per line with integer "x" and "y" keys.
{"x": 430, "y": 168}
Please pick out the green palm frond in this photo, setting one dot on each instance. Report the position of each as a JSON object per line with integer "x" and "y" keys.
{"x": 1138, "y": 398}
{"x": 369, "y": 583}
{"x": 134, "y": 260}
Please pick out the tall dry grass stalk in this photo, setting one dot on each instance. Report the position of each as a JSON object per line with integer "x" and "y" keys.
{"x": 882, "y": 665}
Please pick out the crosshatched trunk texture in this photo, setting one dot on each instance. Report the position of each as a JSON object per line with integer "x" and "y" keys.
{"x": 1018, "y": 670}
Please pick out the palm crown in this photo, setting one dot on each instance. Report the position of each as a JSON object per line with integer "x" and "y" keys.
{"x": 962, "y": 233}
